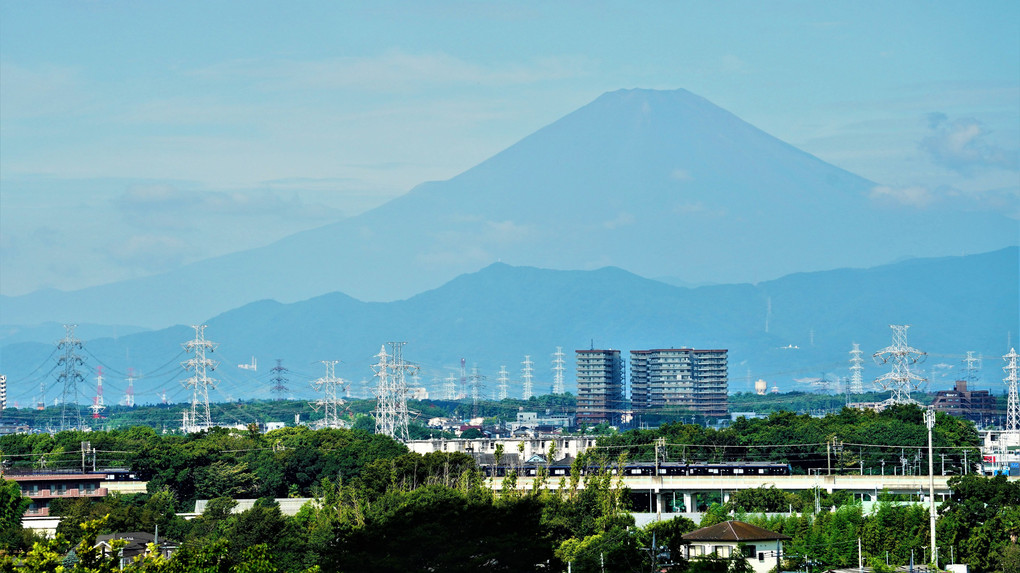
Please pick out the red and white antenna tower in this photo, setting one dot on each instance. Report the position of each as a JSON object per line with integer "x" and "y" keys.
{"x": 97, "y": 402}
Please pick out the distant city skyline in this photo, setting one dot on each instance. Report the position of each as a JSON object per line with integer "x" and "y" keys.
{"x": 139, "y": 137}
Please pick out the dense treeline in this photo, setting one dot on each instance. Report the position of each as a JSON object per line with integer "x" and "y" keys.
{"x": 845, "y": 440}
{"x": 378, "y": 507}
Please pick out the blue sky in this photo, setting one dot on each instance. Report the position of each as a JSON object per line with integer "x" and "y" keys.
{"x": 139, "y": 136}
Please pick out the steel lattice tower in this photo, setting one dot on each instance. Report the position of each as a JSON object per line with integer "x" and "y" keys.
{"x": 330, "y": 403}
{"x": 1013, "y": 402}
{"x": 527, "y": 377}
{"x": 3, "y": 394}
{"x": 856, "y": 370}
{"x": 476, "y": 380}
{"x": 70, "y": 376}
{"x": 900, "y": 381}
{"x": 200, "y": 418}
{"x": 391, "y": 416}
{"x": 972, "y": 365}
{"x": 504, "y": 383}
{"x": 129, "y": 394}
{"x": 451, "y": 387}
{"x": 97, "y": 403}
{"x": 559, "y": 367}
{"x": 279, "y": 379}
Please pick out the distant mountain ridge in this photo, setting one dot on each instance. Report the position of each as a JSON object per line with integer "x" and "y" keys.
{"x": 661, "y": 183}
{"x": 496, "y": 316}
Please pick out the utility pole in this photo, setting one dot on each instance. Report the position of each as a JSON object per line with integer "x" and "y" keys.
{"x": 200, "y": 383}
{"x": 929, "y": 421}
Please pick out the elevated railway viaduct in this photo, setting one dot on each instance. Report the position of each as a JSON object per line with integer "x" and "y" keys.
{"x": 679, "y": 494}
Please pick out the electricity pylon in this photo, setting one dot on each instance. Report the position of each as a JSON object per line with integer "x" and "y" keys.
{"x": 391, "y": 416}
{"x": 200, "y": 418}
{"x": 331, "y": 388}
{"x": 856, "y": 370}
{"x": 526, "y": 376}
{"x": 1013, "y": 402}
{"x": 900, "y": 380}
{"x": 71, "y": 377}
{"x": 559, "y": 367}
{"x": 279, "y": 379}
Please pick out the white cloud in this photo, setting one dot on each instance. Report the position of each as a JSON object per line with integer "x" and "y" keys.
{"x": 915, "y": 196}
{"x": 963, "y": 146}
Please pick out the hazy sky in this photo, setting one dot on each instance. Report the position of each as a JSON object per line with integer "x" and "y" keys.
{"x": 139, "y": 136}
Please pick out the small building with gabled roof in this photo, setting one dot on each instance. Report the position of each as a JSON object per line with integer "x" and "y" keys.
{"x": 761, "y": 547}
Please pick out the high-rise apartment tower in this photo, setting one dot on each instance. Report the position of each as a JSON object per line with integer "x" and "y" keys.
{"x": 600, "y": 384}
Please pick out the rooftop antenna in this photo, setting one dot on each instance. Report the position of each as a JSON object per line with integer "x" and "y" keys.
{"x": 559, "y": 367}
{"x": 504, "y": 383}
{"x": 856, "y": 370}
{"x": 527, "y": 377}
{"x": 278, "y": 376}
{"x": 200, "y": 418}
{"x": 70, "y": 376}
{"x": 1013, "y": 402}
{"x": 900, "y": 380}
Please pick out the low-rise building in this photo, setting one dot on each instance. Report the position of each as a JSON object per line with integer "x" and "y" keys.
{"x": 975, "y": 405}
{"x": 761, "y": 547}
{"x": 44, "y": 487}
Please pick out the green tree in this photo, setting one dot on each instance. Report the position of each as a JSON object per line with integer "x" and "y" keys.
{"x": 12, "y": 508}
